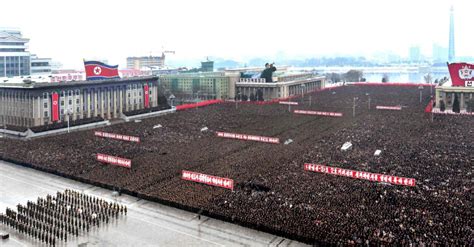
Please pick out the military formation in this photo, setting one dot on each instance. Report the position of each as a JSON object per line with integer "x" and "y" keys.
{"x": 57, "y": 218}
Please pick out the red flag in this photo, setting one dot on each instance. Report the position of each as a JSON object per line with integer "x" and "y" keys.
{"x": 55, "y": 107}
{"x": 99, "y": 71}
{"x": 147, "y": 96}
{"x": 462, "y": 74}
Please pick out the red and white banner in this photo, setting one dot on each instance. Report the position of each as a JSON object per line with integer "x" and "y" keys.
{"x": 462, "y": 74}
{"x": 395, "y": 108}
{"x": 288, "y": 103}
{"x": 208, "y": 179}
{"x": 249, "y": 137}
{"x": 147, "y": 96}
{"x": 117, "y": 136}
{"x": 360, "y": 174}
{"x": 55, "y": 107}
{"x": 319, "y": 113}
{"x": 114, "y": 160}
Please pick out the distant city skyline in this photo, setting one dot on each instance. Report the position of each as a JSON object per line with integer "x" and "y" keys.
{"x": 113, "y": 30}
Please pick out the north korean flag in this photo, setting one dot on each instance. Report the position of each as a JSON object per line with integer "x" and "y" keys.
{"x": 96, "y": 70}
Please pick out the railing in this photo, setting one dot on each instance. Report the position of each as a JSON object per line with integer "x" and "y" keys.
{"x": 253, "y": 80}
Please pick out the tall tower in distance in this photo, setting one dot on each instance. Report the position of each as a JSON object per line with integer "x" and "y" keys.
{"x": 451, "y": 54}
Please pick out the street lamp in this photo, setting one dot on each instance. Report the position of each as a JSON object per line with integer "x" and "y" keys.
{"x": 368, "y": 94}
{"x": 69, "y": 113}
{"x": 421, "y": 92}
{"x": 171, "y": 98}
{"x": 354, "y": 107}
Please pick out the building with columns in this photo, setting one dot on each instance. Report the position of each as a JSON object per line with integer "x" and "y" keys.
{"x": 282, "y": 87}
{"x": 30, "y": 104}
{"x": 447, "y": 94}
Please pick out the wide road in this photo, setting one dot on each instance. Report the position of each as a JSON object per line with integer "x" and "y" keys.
{"x": 146, "y": 223}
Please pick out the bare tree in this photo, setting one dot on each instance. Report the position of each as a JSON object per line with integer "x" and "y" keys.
{"x": 385, "y": 78}
{"x": 353, "y": 75}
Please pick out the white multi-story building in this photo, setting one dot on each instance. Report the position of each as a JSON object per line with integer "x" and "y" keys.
{"x": 40, "y": 66}
{"x": 14, "y": 57}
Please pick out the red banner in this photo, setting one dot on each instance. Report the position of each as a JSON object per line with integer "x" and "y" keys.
{"x": 55, "y": 107}
{"x": 208, "y": 179}
{"x": 462, "y": 74}
{"x": 249, "y": 137}
{"x": 114, "y": 160}
{"x": 117, "y": 136}
{"x": 395, "y": 108}
{"x": 319, "y": 113}
{"x": 429, "y": 107}
{"x": 147, "y": 96}
{"x": 288, "y": 103}
{"x": 360, "y": 175}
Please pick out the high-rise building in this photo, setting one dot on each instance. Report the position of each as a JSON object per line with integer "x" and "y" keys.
{"x": 40, "y": 66}
{"x": 440, "y": 54}
{"x": 415, "y": 54}
{"x": 145, "y": 62}
{"x": 14, "y": 58}
{"x": 451, "y": 54}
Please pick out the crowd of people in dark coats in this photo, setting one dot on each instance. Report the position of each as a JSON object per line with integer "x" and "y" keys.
{"x": 272, "y": 191}
{"x": 54, "y": 218}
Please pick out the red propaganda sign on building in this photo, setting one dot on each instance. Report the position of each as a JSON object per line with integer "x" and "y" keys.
{"x": 55, "y": 107}
{"x": 147, "y": 95}
{"x": 249, "y": 137}
{"x": 394, "y": 108}
{"x": 319, "y": 113}
{"x": 288, "y": 103}
{"x": 117, "y": 136}
{"x": 114, "y": 160}
{"x": 208, "y": 179}
{"x": 360, "y": 175}
{"x": 462, "y": 74}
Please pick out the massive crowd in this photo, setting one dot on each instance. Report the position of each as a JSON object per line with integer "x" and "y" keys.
{"x": 54, "y": 218}
{"x": 272, "y": 191}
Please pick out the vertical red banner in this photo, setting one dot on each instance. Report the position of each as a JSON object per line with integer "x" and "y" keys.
{"x": 147, "y": 96}
{"x": 55, "y": 107}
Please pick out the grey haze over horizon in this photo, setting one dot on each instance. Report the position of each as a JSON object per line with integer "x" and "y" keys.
{"x": 69, "y": 31}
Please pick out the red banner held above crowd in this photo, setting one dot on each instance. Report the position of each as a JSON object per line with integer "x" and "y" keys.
{"x": 114, "y": 160}
{"x": 55, "y": 107}
{"x": 117, "y": 136}
{"x": 462, "y": 74}
{"x": 319, "y": 113}
{"x": 249, "y": 137}
{"x": 394, "y": 108}
{"x": 360, "y": 175}
{"x": 208, "y": 179}
{"x": 147, "y": 95}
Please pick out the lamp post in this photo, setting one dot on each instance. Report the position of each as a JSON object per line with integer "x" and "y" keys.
{"x": 421, "y": 92}
{"x": 354, "y": 107}
{"x": 68, "y": 112}
{"x": 368, "y": 94}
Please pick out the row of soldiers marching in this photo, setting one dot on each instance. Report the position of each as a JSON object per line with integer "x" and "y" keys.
{"x": 54, "y": 218}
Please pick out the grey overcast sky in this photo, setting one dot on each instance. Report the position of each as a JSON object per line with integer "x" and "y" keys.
{"x": 70, "y": 30}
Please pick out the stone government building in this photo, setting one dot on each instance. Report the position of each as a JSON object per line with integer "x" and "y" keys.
{"x": 30, "y": 104}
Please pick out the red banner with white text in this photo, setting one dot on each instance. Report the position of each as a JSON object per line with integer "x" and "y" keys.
{"x": 319, "y": 113}
{"x": 208, "y": 179}
{"x": 360, "y": 175}
{"x": 55, "y": 107}
{"x": 114, "y": 160}
{"x": 462, "y": 74}
{"x": 117, "y": 136}
{"x": 249, "y": 137}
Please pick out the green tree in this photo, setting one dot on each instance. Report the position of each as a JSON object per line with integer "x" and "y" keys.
{"x": 353, "y": 75}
